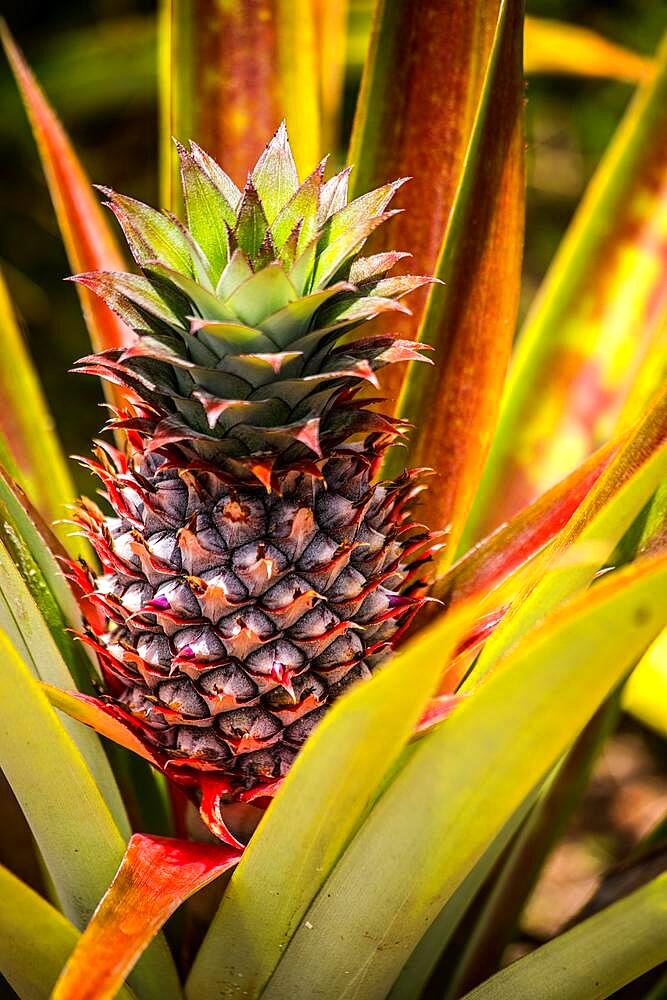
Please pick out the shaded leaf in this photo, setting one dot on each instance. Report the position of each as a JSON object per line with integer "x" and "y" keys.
{"x": 594, "y": 959}
{"x": 88, "y": 240}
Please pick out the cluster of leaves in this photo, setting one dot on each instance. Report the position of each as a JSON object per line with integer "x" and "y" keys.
{"x": 429, "y": 797}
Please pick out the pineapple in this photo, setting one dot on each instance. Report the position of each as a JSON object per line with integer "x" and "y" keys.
{"x": 254, "y": 568}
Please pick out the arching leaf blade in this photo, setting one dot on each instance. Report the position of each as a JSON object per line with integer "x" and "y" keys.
{"x": 437, "y": 817}
{"x": 86, "y": 233}
{"x": 74, "y": 829}
{"x": 27, "y": 426}
{"x": 324, "y": 797}
{"x": 595, "y": 959}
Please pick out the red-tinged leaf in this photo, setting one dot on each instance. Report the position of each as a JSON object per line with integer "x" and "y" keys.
{"x": 421, "y": 86}
{"x": 88, "y": 240}
{"x": 496, "y": 557}
{"x": 230, "y": 74}
{"x": 596, "y": 318}
{"x": 439, "y": 708}
{"x": 569, "y": 564}
{"x": 100, "y": 717}
{"x": 155, "y": 876}
{"x": 470, "y": 318}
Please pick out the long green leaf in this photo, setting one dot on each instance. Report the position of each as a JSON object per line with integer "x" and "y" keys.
{"x": 229, "y": 74}
{"x": 31, "y": 638}
{"x": 461, "y": 784}
{"x": 588, "y": 539}
{"x": 33, "y": 550}
{"x": 325, "y": 795}
{"x": 470, "y": 318}
{"x": 600, "y": 308}
{"x": 76, "y": 833}
{"x": 35, "y": 941}
{"x": 594, "y": 959}
{"x": 27, "y": 426}
{"x": 417, "y": 971}
{"x": 507, "y": 895}
{"x": 410, "y": 110}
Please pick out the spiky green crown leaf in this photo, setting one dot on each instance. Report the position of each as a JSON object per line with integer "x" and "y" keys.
{"x": 241, "y": 314}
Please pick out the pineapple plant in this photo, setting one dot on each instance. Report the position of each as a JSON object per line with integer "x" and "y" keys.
{"x": 354, "y": 629}
{"x": 254, "y": 567}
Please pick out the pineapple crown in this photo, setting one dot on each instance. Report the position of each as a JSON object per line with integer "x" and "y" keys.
{"x": 241, "y": 357}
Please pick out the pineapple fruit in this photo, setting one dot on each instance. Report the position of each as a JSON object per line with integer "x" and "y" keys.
{"x": 253, "y": 567}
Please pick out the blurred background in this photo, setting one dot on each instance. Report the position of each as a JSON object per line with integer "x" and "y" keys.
{"x": 97, "y": 62}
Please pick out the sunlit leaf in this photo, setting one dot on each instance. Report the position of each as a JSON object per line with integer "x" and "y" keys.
{"x": 85, "y": 230}
{"x": 593, "y": 960}
{"x": 461, "y": 784}
{"x": 645, "y": 694}
{"x": 510, "y": 546}
{"x": 470, "y": 318}
{"x": 558, "y": 47}
{"x": 322, "y": 802}
{"x": 74, "y": 829}
{"x": 570, "y": 562}
{"x": 594, "y": 320}
{"x": 331, "y": 18}
{"x": 35, "y": 941}
{"x": 156, "y": 875}
{"x": 229, "y": 75}
{"x": 412, "y": 107}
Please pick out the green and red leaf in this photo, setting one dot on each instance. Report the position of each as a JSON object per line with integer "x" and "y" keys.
{"x": 420, "y": 90}
{"x": 470, "y": 318}
{"x": 600, "y": 310}
{"x": 230, "y": 73}
{"x": 156, "y": 875}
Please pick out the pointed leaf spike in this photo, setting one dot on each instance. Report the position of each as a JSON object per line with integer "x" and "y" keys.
{"x": 155, "y": 876}
{"x": 251, "y": 224}
{"x": 275, "y": 176}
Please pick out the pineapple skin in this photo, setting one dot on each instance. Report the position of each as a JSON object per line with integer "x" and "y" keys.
{"x": 253, "y": 568}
